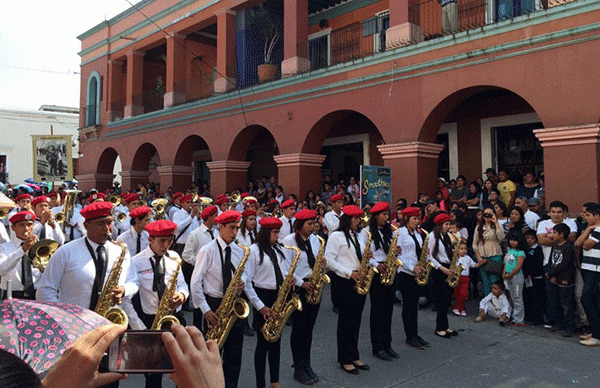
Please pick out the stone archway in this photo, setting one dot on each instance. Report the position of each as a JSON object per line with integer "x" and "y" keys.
{"x": 189, "y": 165}
{"x": 144, "y": 167}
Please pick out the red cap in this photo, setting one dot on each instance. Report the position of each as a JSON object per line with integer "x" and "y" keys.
{"x": 288, "y": 203}
{"x": 208, "y": 211}
{"x": 270, "y": 223}
{"x": 380, "y": 207}
{"x": 96, "y": 210}
{"x": 40, "y": 199}
{"x": 441, "y": 218}
{"x": 21, "y": 216}
{"x": 273, "y": 202}
{"x": 306, "y": 214}
{"x": 336, "y": 197}
{"x": 352, "y": 211}
{"x": 23, "y": 196}
{"x": 185, "y": 198}
{"x": 140, "y": 211}
{"x": 249, "y": 201}
{"x": 177, "y": 195}
{"x": 248, "y": 213}
{"x": 244, "y": 195}
{"x": 222, "y": 200}
{"x": 228, "y": 216}
{"x": 221, "y": 196}
{"x": 53, "y": 194}
{"x": 411, "y": 212}
{"x": 132, "y": 197}
{"x": 161, "y": 228}
{"x": 96, "y": 196}
{"x": 123, "y": 194}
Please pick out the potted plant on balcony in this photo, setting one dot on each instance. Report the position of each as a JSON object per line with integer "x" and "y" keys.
{"x": 272, "y": 30}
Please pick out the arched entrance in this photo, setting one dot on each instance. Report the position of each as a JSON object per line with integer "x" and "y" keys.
{"x": 190, "y": 165}
{"x": 257, "y": 146}
{"x": 144, "y": 167}
{"x": 108, "y": 168}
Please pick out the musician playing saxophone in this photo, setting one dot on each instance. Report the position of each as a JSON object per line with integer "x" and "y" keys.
{"x": 344, "y": 254}
{"x": 153, "y": 267}
{"x": 215, "y": 265}
{"x": 382, "y": 296}
{"x": 303, "y": 321}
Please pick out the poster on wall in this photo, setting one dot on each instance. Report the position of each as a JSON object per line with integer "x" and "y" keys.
{"x": 52, "y": 159}
{"x": 375, "y": 185}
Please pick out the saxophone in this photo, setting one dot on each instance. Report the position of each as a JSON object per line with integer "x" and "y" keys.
{"x": 231, "y": 307}
{"x": 423, "y": 277}
{"x": 281, "y": 309}
{"x": 455, "y": 270}
{"x": 319, "y": 278}
{"x": 366, "y": 270}
{"x": 164, "y": 318}
{"x": 105, "y": 306}
{"x": 392, "y": 261}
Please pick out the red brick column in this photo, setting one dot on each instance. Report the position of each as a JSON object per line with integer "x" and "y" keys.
{"x": 226, "y": 77}
{"x": 115, "y": 103}
{"x": 131, "y": 178}
{"x": 299, "y": 173}
{"x": 175, "y": 91}
{"x": 134, "y": 103}
{"x": 295, "y": 32}
{"x": 226, "y": 175}
{"x": 179, "y": 177}
{"x": 94, "y": 181}
{"x": 401, "y": 31}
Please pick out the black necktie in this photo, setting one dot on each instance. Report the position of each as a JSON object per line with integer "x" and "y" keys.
{"x": 43, "y": 233}
{"x": 226, "y": 269}
{"x": 251, "y": 237}
{"x": 291, "y": 229}
{"x": 26, "y": 276}
{"x": 385, "y": 244}
{"x": 354, "y": 240}
{"x": 309, "y": 253}
{"x": 158, "y": 284}
{"x": 99, "y": 262}
{"x": 138, "y": 244}
{"x": 278, "y": 275}
{"x": 418, "y": 248}
{"x": 212, "y": 236}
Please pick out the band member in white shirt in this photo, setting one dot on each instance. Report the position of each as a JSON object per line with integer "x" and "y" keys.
{"x": 411, "y": 242}
{"x": 136, "y": 238}
{"x": 303, "y": 322}
{"x": 247, "y": 233}
{"x": 132, "y": 201}
{"x": 14, "y": 264}
{"x": 23, "y": 203}
{"x": 154, "y": 267}
{"x": 216, "y": 263}
{"x": 382, "y": 297}
{"x": 45, "y": 226}
{"x": 287, "y": 219}
{"x": 176, "y": 206}
{"x": 343, "y": 253}
{"x": 332, "y": 218}
{"x": 222, "y": 203}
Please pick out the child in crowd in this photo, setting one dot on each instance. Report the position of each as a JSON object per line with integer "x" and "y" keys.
{"x": 513, "y": 275}
{"x": 495, "y": 304}
{"x": 462, "y": 289}
{"x": 561, "y": 272}
{"x": 534, "y": 295}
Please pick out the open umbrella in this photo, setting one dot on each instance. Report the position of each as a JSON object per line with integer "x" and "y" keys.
{"x": 39, "y": 332}
{"x": 29, "y": 180}
{"x": 24, "y": 186}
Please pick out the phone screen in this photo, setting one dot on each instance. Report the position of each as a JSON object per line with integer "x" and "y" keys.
{"x": 139, "y": 352}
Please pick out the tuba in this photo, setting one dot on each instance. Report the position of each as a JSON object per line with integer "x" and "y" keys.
{"x": 366, "y": 270}
{"x": 232, "y": 307}
{"x": 105, "y": 306}
{"x": 282, "y": 310}
{"x": 392, "y": 261}
{"x": 318, "y": 277}
{"x": 164, "y": 318}
{"x": 426, "y": 265}
{"x": 69, "y": 205}
{"x": 40, "y": 253}
{"x": 455, "y": 270}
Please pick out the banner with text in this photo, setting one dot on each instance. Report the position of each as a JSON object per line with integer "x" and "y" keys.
{"x": 375, "y": 185}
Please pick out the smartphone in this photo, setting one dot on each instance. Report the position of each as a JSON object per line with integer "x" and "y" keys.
{"x": 139, "y": 351}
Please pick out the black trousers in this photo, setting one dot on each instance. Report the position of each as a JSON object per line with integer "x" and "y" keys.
{"x": 442, "y": 296}
{"x": 411, "y": 292}
{"x": 380, "y": 318}
{"x": 264, "y": 348}
{"x": 534, "y": 300}
{"x": 18, "y": 295}
{"x": 350, "y": 306}
{"x": 231, "y": 353}
{"x": 303, "y": 323}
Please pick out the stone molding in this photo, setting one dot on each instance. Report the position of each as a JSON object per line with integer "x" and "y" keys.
{"x": 299, "y": 160}
{"x": 415, "y": 149}
{"x": 569, "y": 136}
{"x": 174, "y": 170}
{"x": 228, "y": 166}
{"x": 134, "y": 174}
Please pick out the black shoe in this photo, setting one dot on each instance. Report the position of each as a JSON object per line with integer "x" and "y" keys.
{"x": 567, "y": 333}
{"x": 382, "y": 355}
{"x": 311, "y": 373}
{"x": 414, "y": 342}
{"x": 248, "y": 331}
{"x": 302, "y": 377}
{"x": 392, "y": 353}
{"x": 445, "y": 335}
{"x": 363, "y": 366}
{"x": 353, "y": 371}
{"x": 554, "y": 329}
{"x": 453, "y": 333}
{"x": 423, "y": 342}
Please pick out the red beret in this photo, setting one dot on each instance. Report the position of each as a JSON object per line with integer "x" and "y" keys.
{"x": 140, "y": 211}
{"x": 248, "y": 213}
{"x": 222, "y": 200}
{"x": 161, "y": 228}
{"x": 244, "y": 195}
{"x": 221, "y": 196}
{"x": 249, "y": 201}
{"x": 123, "y": 194}
{"x": 336, "y": 197}
{"x": 441, "y": 218}
{"x": 40, "y": 199}
{"x": 96, "y": 210}
{"x": 306, "y": 214}
{"x": 53, "y": 194}
{"x": 177, "y": 195}
{"x": 411, "y": 212}
{"x": 352, "y": 211}
{"x": 96, "y": 196}
{"x": 23, "y": 196}
{"x": 208, "y": 211}
{"x": 20, "y": 216}
{"x": 273, "y": 202}
{"x": 380, "y": 207}
{"x": 270, "y": 223}
{"x": 228, "y": 216}
{"x": 132, "y": 197}
{"x": 288, "y": 203}
{"x": 185, "y": 198}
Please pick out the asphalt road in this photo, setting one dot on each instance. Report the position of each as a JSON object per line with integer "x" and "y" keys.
{"x": 483, "y": 355}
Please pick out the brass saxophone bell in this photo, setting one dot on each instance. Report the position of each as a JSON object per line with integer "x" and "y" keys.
{"x": 114, "y": 199}
{"x": 117, "y": 316}
{"x": 40, "y": 253}
{"x": 167, "y": 321}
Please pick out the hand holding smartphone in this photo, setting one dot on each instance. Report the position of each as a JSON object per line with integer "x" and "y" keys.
{"x": 138, "y": 351}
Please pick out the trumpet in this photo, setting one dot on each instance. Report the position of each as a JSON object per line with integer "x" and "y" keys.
{"x": 114, "y": 199}
{"x": 60, "y": 217}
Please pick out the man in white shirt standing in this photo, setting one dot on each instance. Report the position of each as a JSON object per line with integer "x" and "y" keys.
{"x": 45, "y": 227}
{"x": 531, "y": 219}
{"x": 287, "y": 219}
{"x": 332, "y": 218}
{"x": 176, "y": 206}
{"x": 136, "y": 238}
{"x": 187, "y": 222}
{"x": 132, "y": 201}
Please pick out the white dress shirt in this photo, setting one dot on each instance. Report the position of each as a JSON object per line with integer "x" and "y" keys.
{"x": 207, "y": 277}
{"x": 143, "y": 280}
{"x": 182, "y": 218}
{"x": 53, "y": 233}
{"x": 442, "y": 257}
{"x": 286, "y": 229}
{"x": 408, "y": 256}
{"x": 303, "y": 270}
{"x": 332, "y": 221}
{"x": 531, "y": 219}
{"x": 130, "y": 239}
{"x": 245, "y": 240}
{"x": 4, "y": 234}
{"x": 196, "y": 240}
{"x": 262, "y": 275}
{"x": 341, "y": 255}
{"x": 172, "y": 210}
{"x": 124, "y": 225}
{"x": 69, "y": 276}
{"x": 10, "y": 264}
{"x": 379, "y": 255}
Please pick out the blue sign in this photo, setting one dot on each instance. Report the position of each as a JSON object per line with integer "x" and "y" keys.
{"x": 375, "y": 185}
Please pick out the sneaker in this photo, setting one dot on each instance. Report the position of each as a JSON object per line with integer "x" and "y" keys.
{"x": 456, "y": 312}
{"x": 548, "y": 326}
{"x": 585, "y": 336}
{"x": 590, "y": 342}
{"x": 463, "y": 313}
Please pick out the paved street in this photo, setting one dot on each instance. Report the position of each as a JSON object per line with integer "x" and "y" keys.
{"x": 483, "y": 355}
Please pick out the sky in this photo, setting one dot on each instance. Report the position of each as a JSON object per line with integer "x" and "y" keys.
{"x": 38, "y": 49}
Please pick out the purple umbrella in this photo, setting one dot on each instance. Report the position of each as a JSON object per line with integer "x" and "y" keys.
{"x": 39, "y": 332}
